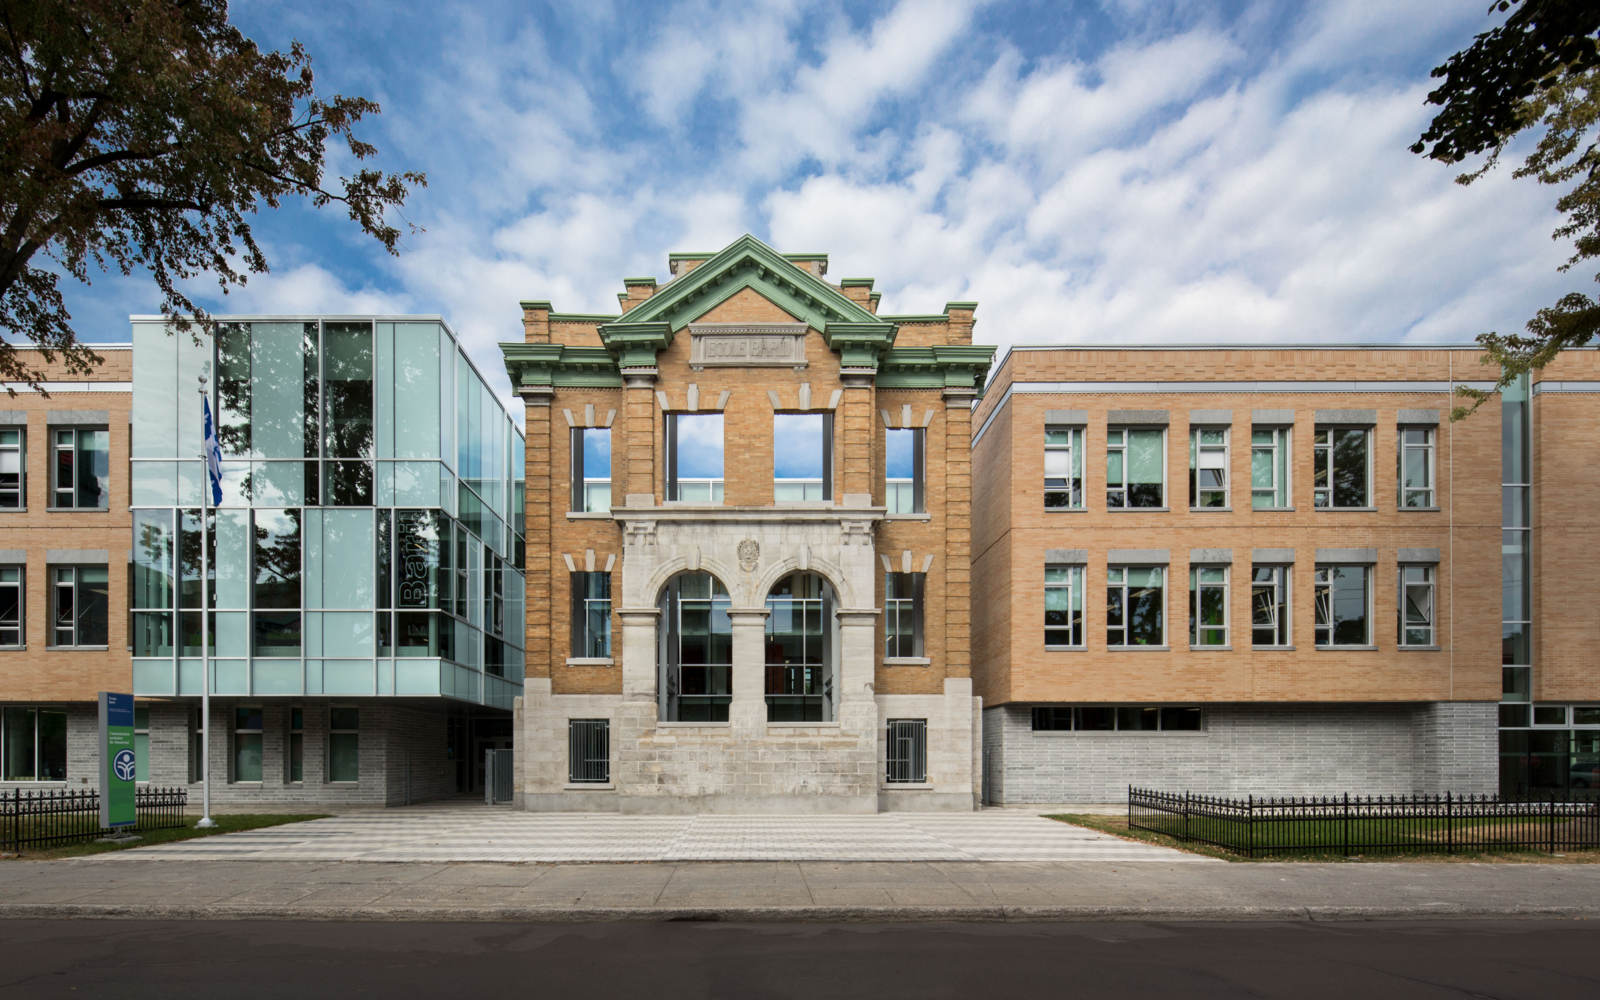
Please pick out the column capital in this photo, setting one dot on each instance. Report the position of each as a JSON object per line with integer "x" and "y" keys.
{"x": 760, "y": 614}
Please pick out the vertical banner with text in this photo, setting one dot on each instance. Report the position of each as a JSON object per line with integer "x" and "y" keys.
{"x": 118, "y": 765}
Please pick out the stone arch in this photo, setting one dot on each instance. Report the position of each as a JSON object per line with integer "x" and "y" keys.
{"x": 824, "y": 568}
{"x": 664, "y": 571}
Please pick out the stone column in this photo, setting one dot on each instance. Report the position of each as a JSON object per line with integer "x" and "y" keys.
{"x": 858, "y": 647}
{"x": 748, "y": 712}
{"x": 639, "y": 668}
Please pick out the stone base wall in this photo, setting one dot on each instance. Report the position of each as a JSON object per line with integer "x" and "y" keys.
{"x": 1373, "y": 749}
{"x": 402, "y": 756}
{"x": 743, "y": 766}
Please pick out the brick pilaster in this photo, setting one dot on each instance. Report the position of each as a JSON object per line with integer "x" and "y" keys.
{"x": 539, "y": 513}
{"x": 857, "y": 443}
{"x": 640, "y": 434}
{"x": 958, "y": 532}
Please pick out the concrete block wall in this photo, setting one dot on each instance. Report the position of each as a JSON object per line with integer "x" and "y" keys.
{"x": 1243, "y": 749}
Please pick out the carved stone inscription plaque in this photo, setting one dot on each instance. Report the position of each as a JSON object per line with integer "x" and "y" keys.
{"x": 756, "y": 345}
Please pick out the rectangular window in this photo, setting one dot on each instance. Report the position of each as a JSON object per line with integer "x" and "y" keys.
{"x": 903, "y": 470}
{"x": 1208, "y": 605}
{"x": 11, "y": 619}
{"x": 588, "y": 751}
{"x": 1344, "y": 605}
{"x": 907, "y": 751}
{"x": 802, "y": 457}
{"x": 1105, "y": 718}
{"x": 1063, "y": 468}
{"x": 347, "y": 431}
{"x": 1417, "y": 605}
{"x": 276, "y": 589}
{"x": 1416, "y": 467}
{"x": 1342, "y": 469}
{"x": 1269, "y": 468}
{"x": 33, "y": 744}
{"x": 694, "y": 457}
{"x": 1063, "y": 605}
{"x": 13, "y": 469}
{"x": 295, "y": 758}
{"x": 1269, "y": 606}
{"x": 1136, "y": 465}
{"x": 591, "y": 468}
{"x": 902, "y": 614}
{"x": 82, "y": 468}
{"x": 197, "y": 739}
{"x": 1136, "y": 606}
{"x": 78, "y": 608}
{"x": 344, "y": 744}
{"x": 1208, "y": 467}
{"x": 591, "y": 615}
{"x": 141, "y": 744}
{"x": 247, "y": 743}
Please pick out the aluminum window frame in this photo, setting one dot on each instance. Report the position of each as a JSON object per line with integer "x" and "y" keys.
{"x": 1281, "y": 494}
{"x": 1282, "y": 587}
{"x": 36, "y": 712}
{"x": 1117, "y": 441}
{"x": 584, "y": 644}
{"x": 1429, "y": 584}
{"x": 66, "y": 497}
{"x": 70, "y": 635}
{"x": 15, "y": 635}
{"x": 1198, "y": 585}
{"x": 1073, "y": 716}
{"x": 15, "y": 497}
{"x": 1322, "y": 463}
{"x": 1073, "y": 585}
{"x": 1322, "y": 601}
{"x": 1199, "y": 449}
{"x": 1070, "y": 485}
{"x": 1117, "y": 583}
{"x": 901, "y": 610}
{"x": 237, "y": 737}
{"x": 353, "y": 733}
{"x": 1426, "y": 495}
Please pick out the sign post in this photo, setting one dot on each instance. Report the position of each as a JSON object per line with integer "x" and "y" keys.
{"x": 118, "y": 765}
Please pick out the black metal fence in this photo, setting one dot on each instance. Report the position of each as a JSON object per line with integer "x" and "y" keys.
{"x": 1367, "y": 824}
{"x": 49, "y": 818}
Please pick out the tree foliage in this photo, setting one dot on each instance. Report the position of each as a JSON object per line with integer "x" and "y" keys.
{"x": 143, "y": 134}
{"x": 1536, "y": 72}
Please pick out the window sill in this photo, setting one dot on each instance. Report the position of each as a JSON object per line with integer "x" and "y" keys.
{"x": 1139, "y": 510}
{"x": 915, "y": 516}
{"x": 1345, "y": 510}
{"x": 1211, "y": 510}
{"x": 13, "y": 649}
{"x": 588, "y": 515}
{"x": 1071, "y": 510}
{"x": 1419, "y": 510}
{"x": 13, "y": 510}
{"x": 81, "y": 649}
{"x": 1064, "y": 649}
{"x": 663, "y": 724}
{"x": 1211, "y": 649}
{"x": 589, "y": 786}
{"x": 802, "y": 504}
{"x": 1272, "y": 510}
{"x": 1347, "y": 649}
{"x": 590, "y": 661}
{"x": 835, "y": 724}
{"x": 906, "y": 661}
{"x": 1139, "y": 649}
{"x": 77, "y": 510}
{"x": 1418, "y": 649}
{"x": 909, "y": 786}
{"x": 1273, "y": 649}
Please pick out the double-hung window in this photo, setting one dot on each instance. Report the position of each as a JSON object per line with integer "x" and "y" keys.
{"x": 1417, "y": 468}
{"x": 902, "y": 614}
{"x": 78, "y": 611}
{"x": 591, "y": 469}
{"x": 1136, "y": 467}
{"x": 1208, "y": 605}
{"x": 1063, "y": 605}
{"x": 82, "y": 468}
{"x": 1344, "y": 605}
{"x": 13, "y": 468}
{"x": 1269, "y": 468}
{"x": 1208, "y": 467}
{"x": 1269, "y": 605}
{"x": 1342, "y": 469}
{"x": 694, "y": 457}
{"x": 591, "y": 615}
{"x": 1417, "y": 604}
{"x": 802, "y": 457}
{"x": 11, "y": 619}
{"x": 1063, "y": 468}
{"x": 1136, "y": 606}
{"x": 904, "y": 491}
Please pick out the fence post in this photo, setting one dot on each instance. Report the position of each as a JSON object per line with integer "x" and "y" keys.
{"x": 1250, "y": 826}
{"x": 1449, "y": 825}
{"x": 1347, "y": 824}
{"x": 1186, "y": 816}
{"x": 1552, "y": 824}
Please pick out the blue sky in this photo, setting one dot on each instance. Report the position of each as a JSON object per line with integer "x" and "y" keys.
{"x": 1124, "y": 171}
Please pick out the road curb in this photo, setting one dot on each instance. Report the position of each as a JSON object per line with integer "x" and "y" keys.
{"x": 791, "y": 914}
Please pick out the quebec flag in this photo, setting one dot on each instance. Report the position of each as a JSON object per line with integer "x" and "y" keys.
{"x": 213, "y": 452}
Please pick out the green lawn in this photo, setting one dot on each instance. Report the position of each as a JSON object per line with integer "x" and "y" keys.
{"x": 226, "y": 823}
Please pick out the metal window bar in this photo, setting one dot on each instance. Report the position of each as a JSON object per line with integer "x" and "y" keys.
{"x": 47, "y": 818}
{"x": 1348, "y": 824}
{"x": 907, "y": 752}
{"x": 589, "y": 751}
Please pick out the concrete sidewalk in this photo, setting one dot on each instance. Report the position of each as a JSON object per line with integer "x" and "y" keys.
{"x": 106, "y": 886}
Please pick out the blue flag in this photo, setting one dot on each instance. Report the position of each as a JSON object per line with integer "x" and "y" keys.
{"x": 213, "y": 452}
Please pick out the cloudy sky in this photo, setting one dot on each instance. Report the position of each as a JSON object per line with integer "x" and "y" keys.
{"x": 1123, "y": 171}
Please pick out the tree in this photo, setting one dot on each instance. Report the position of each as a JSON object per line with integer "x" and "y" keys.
{"x": 142, "y": 134}
{"x": 1537, "y": 71}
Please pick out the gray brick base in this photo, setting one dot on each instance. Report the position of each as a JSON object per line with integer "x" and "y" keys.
{"x": 402, "y": 754}
{"x": 1250, "y": 749}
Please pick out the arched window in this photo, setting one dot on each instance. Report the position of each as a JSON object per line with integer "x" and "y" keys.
{"x": 696, "y": 649}
{"x": 800, "y": 649}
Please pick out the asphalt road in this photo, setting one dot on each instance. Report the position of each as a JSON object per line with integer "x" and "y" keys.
{"x": 239, "y": 959}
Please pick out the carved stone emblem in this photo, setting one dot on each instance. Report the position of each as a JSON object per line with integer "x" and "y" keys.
{"x": 749, "y": 555}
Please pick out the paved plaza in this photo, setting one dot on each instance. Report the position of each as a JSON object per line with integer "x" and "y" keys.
{"x": 480, "y": 833}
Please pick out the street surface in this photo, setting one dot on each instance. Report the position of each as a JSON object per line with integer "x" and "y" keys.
{"x": 1539, "y": 960}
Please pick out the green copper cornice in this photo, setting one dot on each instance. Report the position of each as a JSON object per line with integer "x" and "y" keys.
{"x": 953, "y": 366}
{"x": 558, "y": 365}
{"x": 556, "y": 317}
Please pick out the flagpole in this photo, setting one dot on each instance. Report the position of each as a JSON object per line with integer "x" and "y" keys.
{"x": 205, "y": 612}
